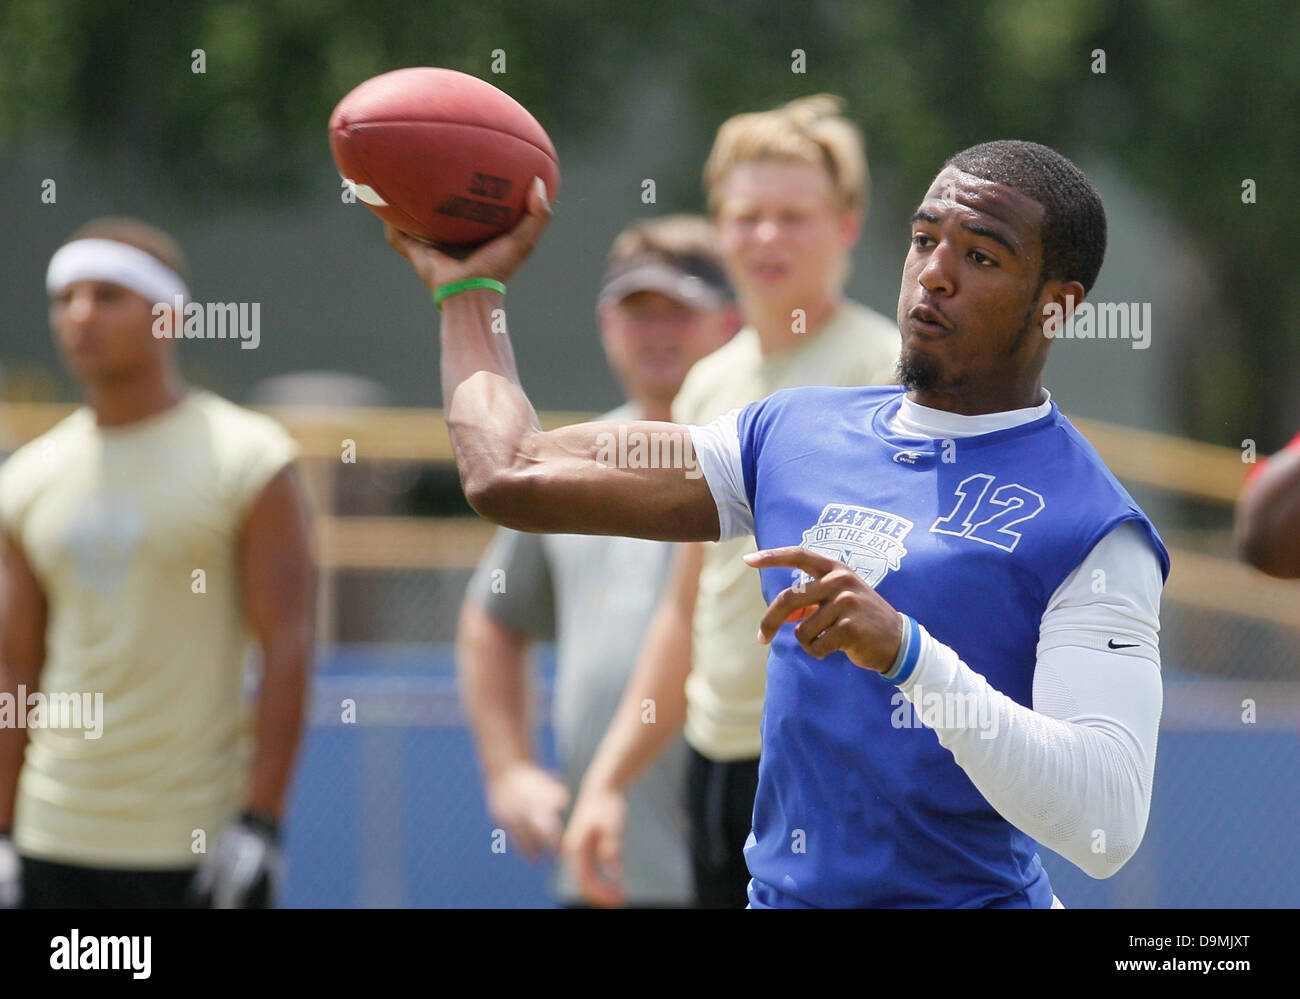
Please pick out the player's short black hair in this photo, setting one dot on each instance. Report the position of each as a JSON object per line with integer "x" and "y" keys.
{"x": 141, "y": 235}
{"x": 1074, "y": 220}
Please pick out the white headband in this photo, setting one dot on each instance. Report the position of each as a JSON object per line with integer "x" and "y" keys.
{"x": 116, "y": 263}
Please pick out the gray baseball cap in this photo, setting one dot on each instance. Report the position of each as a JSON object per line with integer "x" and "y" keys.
{"x": 696, "y": 282}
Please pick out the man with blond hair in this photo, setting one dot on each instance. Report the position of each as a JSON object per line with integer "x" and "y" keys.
{"x": 787, "y": 189}
{"x": 663, "y": 305}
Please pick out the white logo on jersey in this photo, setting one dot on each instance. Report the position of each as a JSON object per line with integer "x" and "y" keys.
{"x": 870, "y": 542}
{"x": 102, "y": 537}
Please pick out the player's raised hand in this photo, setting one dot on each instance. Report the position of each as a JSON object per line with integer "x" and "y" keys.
{"x": 498, "y": 258}
{"x": 529, "y": 802}
{"x": 847, "y": 615}
{"x": 593, "y": 845}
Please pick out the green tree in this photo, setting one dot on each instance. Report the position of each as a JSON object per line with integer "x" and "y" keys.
{"x": 1193, "y": 101}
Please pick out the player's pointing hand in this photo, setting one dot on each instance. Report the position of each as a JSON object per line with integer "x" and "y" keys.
{"x": 498, "y": 258}
{"x": 840, "y": 612}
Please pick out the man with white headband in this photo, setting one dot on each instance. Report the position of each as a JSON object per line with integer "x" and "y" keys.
{"x": 146, "y": 537}
{"x": 112, "y": 262}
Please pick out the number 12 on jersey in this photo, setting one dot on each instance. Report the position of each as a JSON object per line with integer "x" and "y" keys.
{"x": 988, "y": 518}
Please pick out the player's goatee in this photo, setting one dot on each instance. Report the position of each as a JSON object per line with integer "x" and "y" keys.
{"x": 918, "y": 372}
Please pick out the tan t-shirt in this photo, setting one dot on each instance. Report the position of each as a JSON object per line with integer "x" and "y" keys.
{"x": 724, "y": 692}
{"x": 117, "y": 524}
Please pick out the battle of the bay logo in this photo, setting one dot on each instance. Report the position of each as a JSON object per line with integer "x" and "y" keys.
{"x": 870, "y": 542}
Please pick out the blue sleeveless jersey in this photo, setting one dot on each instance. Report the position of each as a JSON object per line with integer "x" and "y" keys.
{"x": 971, "y": 537}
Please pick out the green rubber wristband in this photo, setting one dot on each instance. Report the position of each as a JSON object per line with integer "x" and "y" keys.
{"x": 458, "y": 286}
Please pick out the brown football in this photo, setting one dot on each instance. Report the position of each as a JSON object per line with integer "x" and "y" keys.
{"x": 441, "y": 154}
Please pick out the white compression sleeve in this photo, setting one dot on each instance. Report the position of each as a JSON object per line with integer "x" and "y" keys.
{"x": 1075, "y": 774}
{"x": 717, "y": 449}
